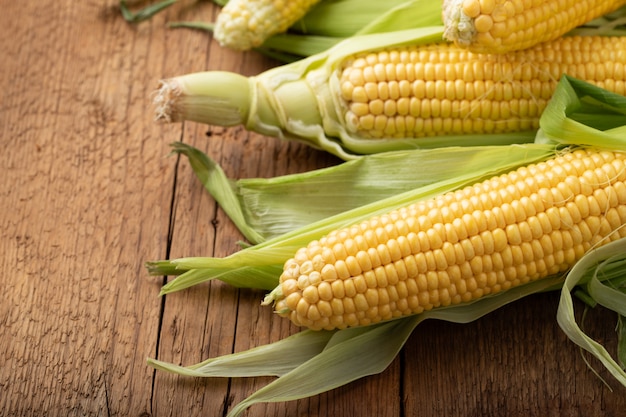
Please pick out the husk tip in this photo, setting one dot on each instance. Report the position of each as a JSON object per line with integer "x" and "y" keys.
{"x": 165, "y": 100}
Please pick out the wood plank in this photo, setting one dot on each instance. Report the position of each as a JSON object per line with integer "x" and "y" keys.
{"x": 515, "y": 361}
{"x": 251, "y": 324}
{"x": 84, "y": 179}
{"x": 88, "y": 195}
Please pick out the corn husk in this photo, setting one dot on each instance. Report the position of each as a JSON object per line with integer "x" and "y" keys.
{"x": 603, "y": 272}
{"x": 332, "y": 21}
{"x": 326, "y": 360}
{"x": 267, "y": 208}
{"x": 581, "y": 111}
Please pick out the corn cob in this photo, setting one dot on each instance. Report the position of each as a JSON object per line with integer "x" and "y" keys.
{"x": 451, "y": 91}
{"x": 246, "y": 24}
{"x": 406, "y": 89}
{"x": 499, "y": 26}
{"x": 486, "y": 238}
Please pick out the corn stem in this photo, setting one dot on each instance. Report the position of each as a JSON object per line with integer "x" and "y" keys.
{"x": 223, "y": 99}
{"x": 145, "y": 13}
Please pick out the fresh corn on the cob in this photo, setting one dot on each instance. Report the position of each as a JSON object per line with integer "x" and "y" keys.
{"x": 498, "y": 26}
{"x": 498, "y": 234}
{"x": 246, "y": 24}
{"x": 438, "y": 89}
{"x": 404, "y": 89}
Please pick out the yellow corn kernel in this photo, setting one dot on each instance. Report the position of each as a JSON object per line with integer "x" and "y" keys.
{"x": 461, "y": 92}
{"x": 446, "y": 251}
{"x": 246, "y": 24}
{"x": 500, "y": 26}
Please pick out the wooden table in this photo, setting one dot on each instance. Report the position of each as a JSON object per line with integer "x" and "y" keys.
{"x": 88, "y": 195}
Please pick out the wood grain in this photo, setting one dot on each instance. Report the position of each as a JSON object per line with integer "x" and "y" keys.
{"x": 88, "y": 195}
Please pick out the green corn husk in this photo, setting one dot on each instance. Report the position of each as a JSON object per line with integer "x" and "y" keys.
{"x": 264, "y": 208}
{"x": 332, "y": 21}
{"x": 603, "y": 271}
{"x": 326, "y": 360}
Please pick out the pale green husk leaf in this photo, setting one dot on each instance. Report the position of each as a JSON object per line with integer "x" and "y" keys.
{"x": 273, "y": 359}
{"x": 583, "y": 114}
{"x": 309, "y": 363}
{"x": 264, "y": 208}
{"x": 594, "y": 267}
{"x": 345, "y": 18}
{"x": 330, "y": 22}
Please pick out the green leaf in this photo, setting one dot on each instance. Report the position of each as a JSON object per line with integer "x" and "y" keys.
{"x": 290, "y": 47}
{"x": 598, "y": 264}
{"x": 407, "y": 15}
{"x": 145, "y": 13}
{"x": 580, "y": 113}
{"x": 219, "y": 186}
{"x": 365, "y": 353}
{"x": 309, "y": 363}
{"x": 263, "y": 277}
{"x": 264, "y": 208}
{"x": 605, "y": 295}
{"x": 273, "y": 359}
{"x": 345, "y": 18}
{"x": 621, "y": 341}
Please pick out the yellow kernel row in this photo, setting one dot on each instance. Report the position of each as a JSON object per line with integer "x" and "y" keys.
{"x": 451, "y": 90}
{"x": 482, "y": 239}
{"x": 500, "y": 26}
{"x": 439, "y": 89}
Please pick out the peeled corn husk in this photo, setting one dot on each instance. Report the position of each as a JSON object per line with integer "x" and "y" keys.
{"x": 300, "y": 101}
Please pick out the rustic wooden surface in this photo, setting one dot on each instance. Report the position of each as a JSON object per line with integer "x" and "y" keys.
{"x": 88, "y": 195}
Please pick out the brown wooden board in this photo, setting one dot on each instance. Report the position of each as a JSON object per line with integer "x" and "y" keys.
{"x": 88, "y": 195}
